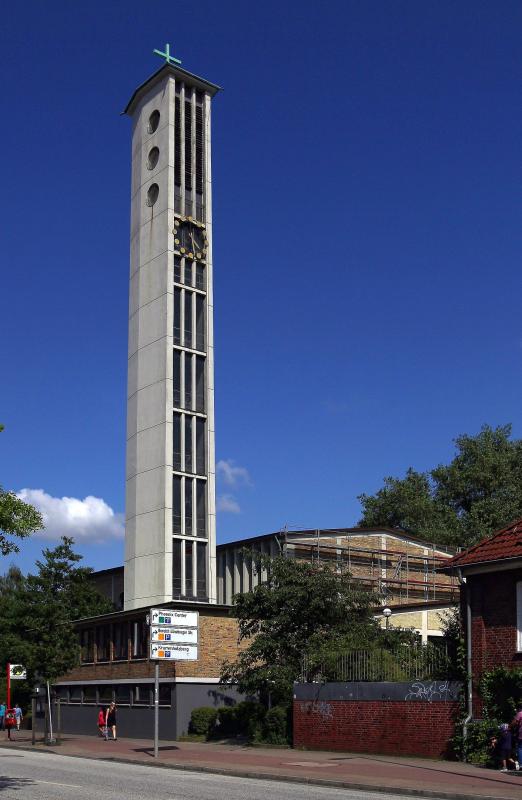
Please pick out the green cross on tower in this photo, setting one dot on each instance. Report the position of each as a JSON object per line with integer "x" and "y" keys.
{"x": 166, "y": 55}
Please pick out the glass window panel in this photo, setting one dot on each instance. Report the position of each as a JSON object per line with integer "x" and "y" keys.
{"x": 188, "y": 380}
{"x": 200, "y": 322}
{"x": 177, "y": 269}
{"x": 139, "y": 639}
{"x": 87, "y": 645}
{"x": 120, "y": 639}
{"x": 176, "y": 379}
{"x": 201, "y": 575}
{"x": 75, "y": 694}
{"x": 103, "y": 642}
{"x": 177, "y": 315}
{"x": 200, "y": 447}
{"x": 200, "y": 383}
{"x": 165, "y": 692}
{"x": 188, "y": 319}
{"x": 105, "y": 694}
{"x": 63, "y": 693}
{"x": 89, "y": 694}
{"x": 141, "y": 694}
{"x": 176, "y": 443}
{"x": 189, "y": 459}
{"x": 188, "y": 506}
{"x": 188, "y": 569}
{"x": 176, "y": 504}
{"x": 123, "y": 693}
{"x": 176, "y": 568}
{"x": 201, "y": 502}
{"x": 188, "y": 272}
{"x": 200, "y": 277}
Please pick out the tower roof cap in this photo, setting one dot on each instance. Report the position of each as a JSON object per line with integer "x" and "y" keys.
{"x": 176, "y": 72}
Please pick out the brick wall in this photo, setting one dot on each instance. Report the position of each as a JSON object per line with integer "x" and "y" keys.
{"x": 391, "y": 727}
{"x": 218, "y": 641}
{"x": 493, "y": 624}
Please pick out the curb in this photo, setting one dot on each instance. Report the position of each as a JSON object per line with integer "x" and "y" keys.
{"x": 270, "y": 776}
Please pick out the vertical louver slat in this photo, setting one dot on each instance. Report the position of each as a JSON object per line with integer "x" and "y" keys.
{"x": 188, "y": 148}
{"x": 177, "y": 144}
{"x": 199, "y": 150}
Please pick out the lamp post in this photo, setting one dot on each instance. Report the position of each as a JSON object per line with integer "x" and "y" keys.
{"x": 387, "y": 612}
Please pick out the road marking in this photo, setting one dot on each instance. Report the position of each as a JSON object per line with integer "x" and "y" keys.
{"x": 53, "y": 783}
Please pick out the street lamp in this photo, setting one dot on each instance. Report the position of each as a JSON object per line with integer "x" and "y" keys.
{"x": 387, "y": 612}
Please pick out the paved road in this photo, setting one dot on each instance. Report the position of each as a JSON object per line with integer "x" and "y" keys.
{"x": 45, "y": 776}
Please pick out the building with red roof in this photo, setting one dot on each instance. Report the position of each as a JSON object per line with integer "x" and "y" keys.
{"x": 491, "y": 599}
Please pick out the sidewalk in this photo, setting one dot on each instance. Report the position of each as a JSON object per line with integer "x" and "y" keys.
{"x": 444, "y": 779}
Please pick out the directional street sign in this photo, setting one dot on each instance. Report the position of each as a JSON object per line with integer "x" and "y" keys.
{"x": 169, "y": 616}
{"x": 177, "y": 635}
{"x": 173, "y": 634}
{"x": 174, "y": 652}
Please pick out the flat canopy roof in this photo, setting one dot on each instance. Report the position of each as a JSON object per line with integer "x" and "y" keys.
{"x": 176, "y": 72}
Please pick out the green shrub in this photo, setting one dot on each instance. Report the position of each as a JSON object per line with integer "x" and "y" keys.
{"x": 476, "y": 747}
{"x": 202, "y": 720}
{"x": 226, "y": 721}
{"x": 276, "y": 725}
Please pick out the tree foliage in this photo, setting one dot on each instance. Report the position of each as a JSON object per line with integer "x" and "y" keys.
{"x": 302, "y": 608}
{"x": 17, "y": 519}
{"x": 36, "y": 612}
{"x": 456, "y": 504}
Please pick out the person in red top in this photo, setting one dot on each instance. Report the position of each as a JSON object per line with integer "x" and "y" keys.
{"x": 101, "y": 723}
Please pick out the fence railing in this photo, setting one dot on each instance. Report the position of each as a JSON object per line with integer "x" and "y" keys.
{"x": 403, "y": 663}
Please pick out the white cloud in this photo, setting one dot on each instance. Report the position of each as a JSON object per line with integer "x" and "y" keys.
{"x": 88, "y": 519}
{"x": 231, "y": 474}
{"x": 228, "y": 504}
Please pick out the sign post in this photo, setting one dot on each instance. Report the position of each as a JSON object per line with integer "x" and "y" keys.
{"x": 173, "y": 637}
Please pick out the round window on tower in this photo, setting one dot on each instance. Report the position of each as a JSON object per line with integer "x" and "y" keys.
{"x": 152, "y": 194}
{"x": 154, "y": 122}
{"x": 152, "y": 158}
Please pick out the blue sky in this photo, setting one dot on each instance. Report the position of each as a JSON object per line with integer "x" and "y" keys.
{"x": 367, "y": 208}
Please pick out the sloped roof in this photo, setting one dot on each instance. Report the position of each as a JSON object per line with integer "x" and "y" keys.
{"x": 503, "y": 545}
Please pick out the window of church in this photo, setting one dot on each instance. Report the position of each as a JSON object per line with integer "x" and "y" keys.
{"x": 87, "y": 645}
{"x": 120, "y": 641}
{"x": 200, "y": 277}
{"x": 123, "y": 694}
{"x": 141, "y": 695}
{"x": 176, "y": 378}
{"x": 154, "y": 121}
{"x": 200, "y": 449}
{"x": 89, "y": 694}
{"x": 201, "y": 581}
{"x": 152, "y": 158}
{"x": 152, "y": 194}
{"x": 139, "y": 639}
{"x": 189, "y": 590}
{"x": 200, "y": 322}
{"x": 188, "y": 379}
{"x": 189, "y": 459}
{"x": 188, "y": 507}
{"x": 103, "y": 641}
{"x": 201, "y": 507}
{"x": 188, "y": 272}
{"x": 200, "y": 383}
{"x": 176, "y": 568}
{"x": 176, "y": 504}
{"x": 177, "y": 269}
{"x": 177, "y": 315}
{"x": 188, "y": 319}
{"x": 176, "y": 441}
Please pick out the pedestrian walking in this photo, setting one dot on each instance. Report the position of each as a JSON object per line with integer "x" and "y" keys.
{"x": 2, "y": 716}
{"x": 102, "y": 728}
{"x": 516, "y": 727}
{"x": 18, "y": 716}
{"x": 110, "y": 721}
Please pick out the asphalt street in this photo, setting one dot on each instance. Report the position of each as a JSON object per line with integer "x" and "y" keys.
{"x": 45, "y": 776}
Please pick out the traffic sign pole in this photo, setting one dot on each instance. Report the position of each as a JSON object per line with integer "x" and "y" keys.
{"x": 8, "y": 685}
{"x": 156, "y": 708}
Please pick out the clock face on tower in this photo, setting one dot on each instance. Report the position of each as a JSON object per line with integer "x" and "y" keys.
{"x": 190, "y": 239}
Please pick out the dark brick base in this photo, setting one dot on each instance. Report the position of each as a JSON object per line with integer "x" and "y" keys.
{"x": 387, "y": 727}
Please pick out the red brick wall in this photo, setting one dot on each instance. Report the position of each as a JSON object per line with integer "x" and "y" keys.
{"x": 493, "y": 624}
{"x": 391, "y": 727}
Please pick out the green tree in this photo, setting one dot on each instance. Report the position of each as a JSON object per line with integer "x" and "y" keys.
{"x": 36, "y": 612}
{"x": 17, "y": 519}
{"x": 302, "y": 608}
{"x": 456, "y": 504}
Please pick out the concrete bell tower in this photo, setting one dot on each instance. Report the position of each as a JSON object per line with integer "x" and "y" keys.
{"x": 170, "y": 528}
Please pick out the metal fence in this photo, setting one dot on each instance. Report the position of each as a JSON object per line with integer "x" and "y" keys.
{"x": 404, "y": 663}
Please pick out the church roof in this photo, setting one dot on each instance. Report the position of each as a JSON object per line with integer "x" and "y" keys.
{"x": 503, "y": 545}
{"x": 176, "y": 72}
